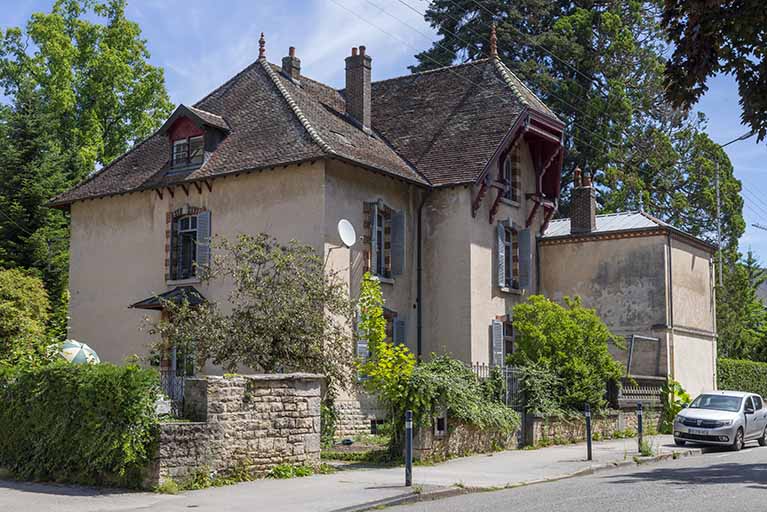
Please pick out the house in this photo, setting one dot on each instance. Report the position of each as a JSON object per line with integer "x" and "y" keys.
{"x": 651, "y": 283}
{"x": 450, "y": 178}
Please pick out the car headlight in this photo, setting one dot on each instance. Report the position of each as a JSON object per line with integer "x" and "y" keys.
{"x": 724, "y": 423}
{"x": 678, "y": 419}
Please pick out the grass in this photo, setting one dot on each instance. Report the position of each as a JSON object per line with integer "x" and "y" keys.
{"x": 370, "y": 457}
{"x": 646, "y": 449}
{"x": 169, "y": 486}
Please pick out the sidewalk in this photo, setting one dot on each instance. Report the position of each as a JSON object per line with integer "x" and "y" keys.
{"x": 346, "y": 489}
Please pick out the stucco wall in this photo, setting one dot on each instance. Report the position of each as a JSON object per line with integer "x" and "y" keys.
{"x": 487, "y": 299}
{"x": 623, "y": 279}
{"x": 118, "y": 246}
{"x": 691, "y": 274}
{"x": 694, "y": 360}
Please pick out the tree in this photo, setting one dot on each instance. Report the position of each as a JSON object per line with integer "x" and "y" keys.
{"x": 80, "y": 92}
{"x": 599, "y": 67}
{"x": 709, "y": 38}
{"x": 741, "y": 317}
{"x": 569, "y": 341}
{"x": 23, "y": 316}
{"x": 286, "y": 312}
{"x": 371, "y": 325}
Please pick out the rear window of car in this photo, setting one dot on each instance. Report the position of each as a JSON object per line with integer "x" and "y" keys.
{"x": 717, "y": 403}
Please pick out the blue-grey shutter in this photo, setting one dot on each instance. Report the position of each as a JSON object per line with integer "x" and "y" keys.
{"x": 397, "y": 242}
{"x": 203, "y": 239}
{"x": 497, "y": 348}
{"x": 374, "y": 239}
{"x": 525, "y": 257}
{"x": 399, "y": 331}
{"x": 501, "y": 253}
{"x": 172, "y": 258}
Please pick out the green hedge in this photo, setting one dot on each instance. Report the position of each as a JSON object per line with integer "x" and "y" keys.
{"x": 89, "y": 424}
{"x": 738, "y": 375}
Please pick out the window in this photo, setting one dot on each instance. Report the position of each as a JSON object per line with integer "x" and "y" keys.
{"x": 187, "y": 152}
{"x": 757, "y": 403}
{"x": 386, "y": 235}
{"x": 510, "y": 176}
{"x": 511, "y": 255}
{"x": 189, "y": 244}
{"x": 508, "y": 338}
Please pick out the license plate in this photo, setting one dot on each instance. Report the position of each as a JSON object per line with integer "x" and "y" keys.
{"x": 698, "y": 432}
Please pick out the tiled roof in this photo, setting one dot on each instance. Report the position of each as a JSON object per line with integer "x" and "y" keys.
{"x": 434, "y": 128}
{"x": 623, "y": 221}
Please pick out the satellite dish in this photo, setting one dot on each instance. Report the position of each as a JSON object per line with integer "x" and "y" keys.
{"x": 346, "y": 232}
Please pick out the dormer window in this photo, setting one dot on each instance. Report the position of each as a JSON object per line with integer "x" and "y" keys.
{"x": 187, "y": 152}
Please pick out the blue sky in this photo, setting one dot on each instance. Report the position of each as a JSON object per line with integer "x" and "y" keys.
{"x": 201, "y": 43}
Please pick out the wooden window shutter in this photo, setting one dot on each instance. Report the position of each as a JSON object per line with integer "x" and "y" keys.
{"x": 501, "y": 254}
{"x": 497, "y": 343}
{"x": 399, "y": 334}
{"x": 525, "y": 258}
{"x": 203, "y": 239}
{"x": 397, "y": 243}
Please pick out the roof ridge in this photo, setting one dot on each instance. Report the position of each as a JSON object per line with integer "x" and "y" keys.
{"x": 508, "y": 77}
{"x": 508, "y": 74}
{"x": 435, "y": 70}
{"x": 313, "y": 133}
{"x": 205, "y": 111}
{"x": 226, "y": 84}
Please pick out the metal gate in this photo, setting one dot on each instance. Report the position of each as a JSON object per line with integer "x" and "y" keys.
{"x": 513, "y": 393}
{"x": 172, "y": 379}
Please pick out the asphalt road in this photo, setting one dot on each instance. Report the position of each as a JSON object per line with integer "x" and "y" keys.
{"x": 717, "y": 481}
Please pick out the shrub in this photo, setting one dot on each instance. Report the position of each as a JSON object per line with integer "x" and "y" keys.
{"x": 90, "y": 424}
{"x": 538, "y": 382}
{"x": 571, "y": 341}
{"x": 739, "y": 375}
{"x": 674, "y": 397}
{"x": 23, "y": 315}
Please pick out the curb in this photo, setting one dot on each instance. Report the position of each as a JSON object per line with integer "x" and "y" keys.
{"x": 449, "y": 492}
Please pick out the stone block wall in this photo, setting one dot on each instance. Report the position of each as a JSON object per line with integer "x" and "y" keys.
{"x": 460, "y": 440}
{"x": 538, "y": 429}
{"x": 355, "y": 412}
{"x": 249, "y": 423}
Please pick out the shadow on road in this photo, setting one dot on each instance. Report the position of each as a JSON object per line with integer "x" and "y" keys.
{"x": 752, "y": 475}
{"x": 60, "y": 489}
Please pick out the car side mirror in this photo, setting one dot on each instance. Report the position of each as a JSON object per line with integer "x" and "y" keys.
{"x": 685, "y": 406}
{"x": 749, "y": 410}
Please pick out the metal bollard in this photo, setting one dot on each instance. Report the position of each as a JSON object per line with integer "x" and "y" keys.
{"x": 587, "y": 413}
{"x": 408, "y": 448}
{"x": 640, "y": 427}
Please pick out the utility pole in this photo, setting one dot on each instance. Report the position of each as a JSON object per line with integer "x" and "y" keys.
{"x": 745, "y": 136}
{"x": 718, "y": 223}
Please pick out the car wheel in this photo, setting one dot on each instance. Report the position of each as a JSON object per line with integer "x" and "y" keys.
{"x": 680, "y": 442}
{"x": 737, "y": 444}
{"x": 763, "y": 439}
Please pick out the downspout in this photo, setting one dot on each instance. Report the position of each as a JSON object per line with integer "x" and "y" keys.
{"x": 538, "y": 264}
{"x": 419, "y": 278}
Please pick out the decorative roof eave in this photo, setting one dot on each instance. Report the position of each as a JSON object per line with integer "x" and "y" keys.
{"x": 200, "y": 117}
{"x": 178, "y": 295}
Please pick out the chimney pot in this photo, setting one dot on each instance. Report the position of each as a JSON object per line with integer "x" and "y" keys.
{"x": 358, "y": 89}
{"x": 291, "y": 65}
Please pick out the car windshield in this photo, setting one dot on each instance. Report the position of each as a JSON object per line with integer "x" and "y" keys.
{"x": 717, "y": 403}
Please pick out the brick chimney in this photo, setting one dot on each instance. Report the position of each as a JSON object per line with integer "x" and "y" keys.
{"x": 584, "y": 205}
{"x": 291, "y": 65}
{"x": 358, "y": 86}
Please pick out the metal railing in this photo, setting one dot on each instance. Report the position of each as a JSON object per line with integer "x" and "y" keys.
{"x": 513, "y": 395}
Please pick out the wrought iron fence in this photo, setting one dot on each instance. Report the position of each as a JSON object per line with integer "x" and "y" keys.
{"x": 173, "y": 386}
{"x": 513, "y": 395}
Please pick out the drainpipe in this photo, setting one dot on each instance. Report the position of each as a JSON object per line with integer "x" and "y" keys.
{"x": 670, "y": 335}
{"x": 419, "y": 279}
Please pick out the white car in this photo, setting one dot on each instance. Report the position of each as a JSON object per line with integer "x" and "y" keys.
{"x": 724, "y": 418}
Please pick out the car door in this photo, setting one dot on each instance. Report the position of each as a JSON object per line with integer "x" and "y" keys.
{"x": 760, "y": 415}
{"x": 752, "y": 428}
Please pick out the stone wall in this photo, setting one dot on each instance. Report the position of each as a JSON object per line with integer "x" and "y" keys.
{"x": 355, "y": 413}
{"x": 557, "y": 430}
{"x": 248, "y": 423}
{"x": 460, "y": 440}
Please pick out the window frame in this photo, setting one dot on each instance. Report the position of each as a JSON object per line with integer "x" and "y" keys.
{"x": 178, "y": 272}
{"x": 187, "y": 160}
{"x": 509, "y": 176}
{"x": 511, "y": 258}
